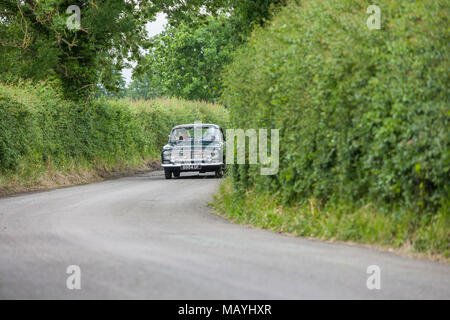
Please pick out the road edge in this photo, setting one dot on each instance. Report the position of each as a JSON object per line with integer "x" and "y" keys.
{"x": 95, "y": 175}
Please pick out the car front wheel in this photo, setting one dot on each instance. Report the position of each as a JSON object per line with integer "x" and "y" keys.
{"x": 168, "y": 173}
{"x": 219, "y": 173}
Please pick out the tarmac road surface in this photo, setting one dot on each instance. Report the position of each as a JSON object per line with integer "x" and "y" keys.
{"x": 146, "y": 237}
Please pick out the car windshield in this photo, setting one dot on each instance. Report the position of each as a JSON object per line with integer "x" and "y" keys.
{"x": 184, "y": 134}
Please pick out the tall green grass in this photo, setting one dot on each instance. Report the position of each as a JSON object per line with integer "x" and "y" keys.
{"x": 402, "y": 229}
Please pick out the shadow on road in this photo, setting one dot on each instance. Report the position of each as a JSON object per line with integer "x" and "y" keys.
{"x": 196, "y": 176}
{"x": 184, "y": 176}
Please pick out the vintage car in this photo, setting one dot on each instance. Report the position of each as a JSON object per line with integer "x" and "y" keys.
{"x": 194, "y": 147}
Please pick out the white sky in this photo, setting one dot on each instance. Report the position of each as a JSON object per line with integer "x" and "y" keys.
{"x": 153, "y": 28}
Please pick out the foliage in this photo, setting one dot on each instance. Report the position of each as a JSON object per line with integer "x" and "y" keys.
{"x": 188, "y": 58}
{"x": 37, "y": 43}
{"x": 39, "y": 130}
{"x": 244, "y": 13}
{"x": 145, "y": 86}
{"x": 187, "y": 61}
{"x": 363, "y": 114}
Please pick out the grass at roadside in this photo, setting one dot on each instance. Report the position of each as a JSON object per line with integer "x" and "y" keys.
{"x": 401, "y": 231}
{"x": 72, "y": 173}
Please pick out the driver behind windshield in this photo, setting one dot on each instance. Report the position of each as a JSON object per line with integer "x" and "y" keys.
{"x": 186, "y": 134}
{"x": 181, "y": 135}
{"x": 210, "y": 134}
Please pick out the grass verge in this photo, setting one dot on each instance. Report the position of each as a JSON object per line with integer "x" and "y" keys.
{"x": 73, "y": 173}
{"x": 401, "y": 232}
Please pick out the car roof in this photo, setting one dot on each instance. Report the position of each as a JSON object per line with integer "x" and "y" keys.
{"x": 194, "y": 124}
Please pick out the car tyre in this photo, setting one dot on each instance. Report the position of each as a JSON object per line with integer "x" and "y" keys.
{"x": 219, "y": 173}
{"x": 176, "y": 174}
{"x": 168, "y": 173}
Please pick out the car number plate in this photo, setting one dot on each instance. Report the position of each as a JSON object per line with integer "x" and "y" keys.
{"x": 190, "y": 167}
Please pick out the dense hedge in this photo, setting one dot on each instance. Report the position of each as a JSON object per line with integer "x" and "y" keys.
{"x": 38, "y": 129}
{"x": 363, "y": 114}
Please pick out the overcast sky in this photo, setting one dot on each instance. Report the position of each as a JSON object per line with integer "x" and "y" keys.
{"x": 153, "y": 28}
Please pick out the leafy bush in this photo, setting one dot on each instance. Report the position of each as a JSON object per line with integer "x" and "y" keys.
{"x": 363, "y": 114}
{"x": 39, "y": 130}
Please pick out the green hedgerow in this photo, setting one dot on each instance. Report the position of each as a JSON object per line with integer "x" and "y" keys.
{"x": 363, "y": 114}
{"x": 39, "y": 130}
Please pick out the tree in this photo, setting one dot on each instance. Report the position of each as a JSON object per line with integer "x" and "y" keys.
{"x": 147, "y": 86}
{"x": 37, "y": 43}
{"x": 187, "y": 61}
{"x": 247, "y": 13}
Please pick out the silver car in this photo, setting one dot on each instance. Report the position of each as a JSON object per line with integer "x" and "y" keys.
{"x": 194, "y": 147}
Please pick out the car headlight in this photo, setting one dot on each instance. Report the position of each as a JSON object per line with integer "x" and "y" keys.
{"x": 215, "y": 155}
{"x": 167, "y": 154}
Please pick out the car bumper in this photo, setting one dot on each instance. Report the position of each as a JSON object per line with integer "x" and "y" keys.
{"x": 189, "y": 166}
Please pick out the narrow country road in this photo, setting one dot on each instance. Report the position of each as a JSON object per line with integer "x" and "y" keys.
{"x": 146, "y": 237}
